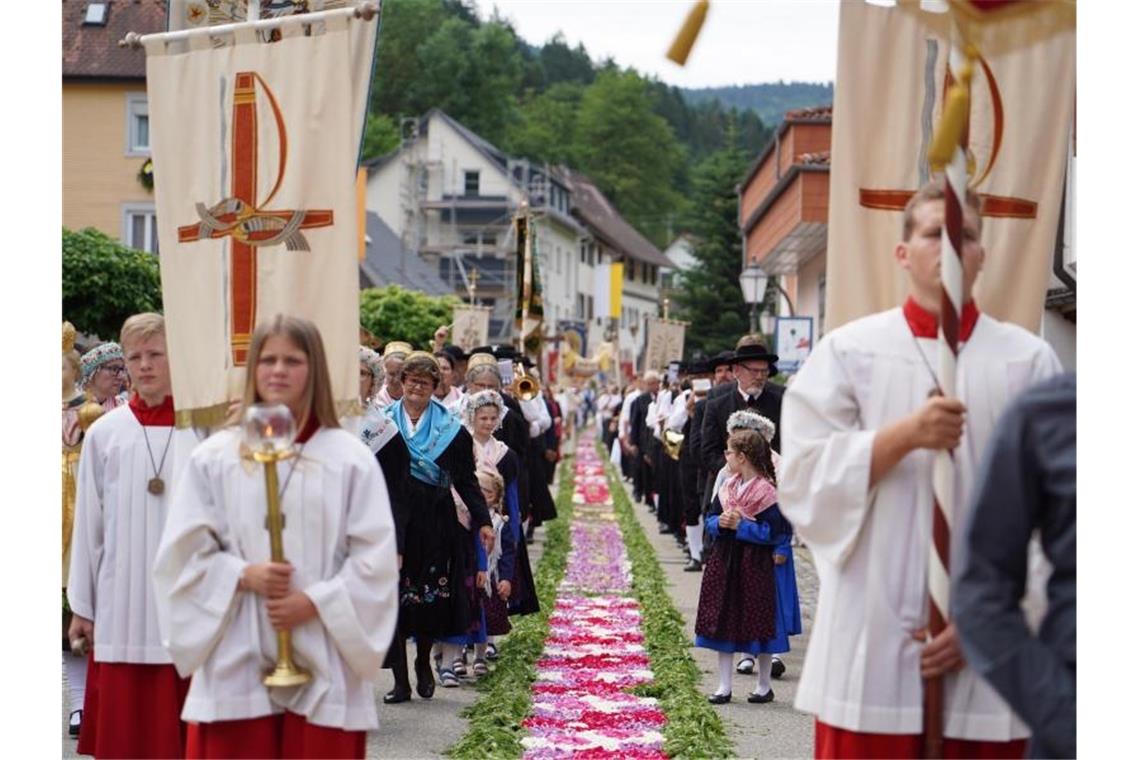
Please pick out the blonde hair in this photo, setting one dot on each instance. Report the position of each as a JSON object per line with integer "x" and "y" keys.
{"x": 934, "y": 190}
{"x": 142, "y": 327}
{"x": 492, "y": 481}
{"x": 304, "y": 334}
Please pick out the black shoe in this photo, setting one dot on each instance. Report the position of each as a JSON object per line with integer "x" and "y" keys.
{"x": 759, "y": 699}
{"x": 720, "y": 699}
{"x": 778, "y": 667}
{"x": 73, "y": 728}
{"x": 745, "y": 666}
{"x": 694, "y": 566}
{"x": 395, "y": 696}
{"x": 425, "y": 681}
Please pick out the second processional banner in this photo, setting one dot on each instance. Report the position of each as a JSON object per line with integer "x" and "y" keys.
{"x": 1022, "y": 102}
{"x": 664, "y": 342}
{"x": 255, "y": 147}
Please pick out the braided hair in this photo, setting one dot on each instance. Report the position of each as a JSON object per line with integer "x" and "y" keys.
{"x": 753, "y": 447}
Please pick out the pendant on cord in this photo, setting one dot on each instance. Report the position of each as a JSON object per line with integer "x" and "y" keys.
{"x": 156, "y": 486}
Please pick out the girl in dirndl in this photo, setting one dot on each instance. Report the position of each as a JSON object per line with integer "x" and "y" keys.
{"x": 739, "y": 608}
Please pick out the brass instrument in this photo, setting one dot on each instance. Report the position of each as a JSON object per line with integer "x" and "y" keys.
{"x": 524, "y": 386}
{"x": 673, "y": 442}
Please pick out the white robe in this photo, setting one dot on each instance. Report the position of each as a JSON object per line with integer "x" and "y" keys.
{"x": 871, "y": 547}
{"x": 118, "y": 524}
{"x": 340, "y": 538}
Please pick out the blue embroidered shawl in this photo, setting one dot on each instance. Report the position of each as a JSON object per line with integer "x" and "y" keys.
{"x": 438, "y": 428}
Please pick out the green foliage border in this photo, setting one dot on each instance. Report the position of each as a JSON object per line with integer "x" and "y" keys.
{"x": 693, "y": 728}
{"x": 495, "y": 721}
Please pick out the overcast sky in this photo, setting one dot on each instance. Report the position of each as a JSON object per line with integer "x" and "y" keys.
{"x": 742, "y": 42}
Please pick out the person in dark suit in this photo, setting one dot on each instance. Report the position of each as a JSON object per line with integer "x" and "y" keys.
{"x": 640, "y": 437}
{"x": 752, "y": 365}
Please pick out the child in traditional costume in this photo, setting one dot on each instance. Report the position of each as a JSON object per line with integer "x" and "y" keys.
{"x": 739, "y": 605}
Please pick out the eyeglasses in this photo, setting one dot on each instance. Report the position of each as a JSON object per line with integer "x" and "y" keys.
{"x": 417, "y": 382}
{"x": 765, "y": 370}
{"x": 114, "y": 370}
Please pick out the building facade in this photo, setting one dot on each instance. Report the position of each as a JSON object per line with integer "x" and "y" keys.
{"x": 451, "y": 196}
{"x": 106, "y": 130}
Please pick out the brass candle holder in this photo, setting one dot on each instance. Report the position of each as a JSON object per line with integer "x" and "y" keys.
{"x": 269, "y": 433}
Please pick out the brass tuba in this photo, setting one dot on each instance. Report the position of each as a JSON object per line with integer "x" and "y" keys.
{"x": 524, "y": 386}
{"x": 673, "y": 443}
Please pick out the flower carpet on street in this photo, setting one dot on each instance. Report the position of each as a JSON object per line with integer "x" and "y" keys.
{"x": 595, "y": 650}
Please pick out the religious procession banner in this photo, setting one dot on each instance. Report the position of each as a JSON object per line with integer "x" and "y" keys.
{"x": 471, "y": 326}
{"x": 1021, "y": 111}
{"x": 664, "y": 342}
{"x": 255, "y": 148}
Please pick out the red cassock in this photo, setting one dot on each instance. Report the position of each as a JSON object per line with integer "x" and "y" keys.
{"x": 273, "y": 736}
{"x": 832, "y": 742}
{"x": 132, "y": 711}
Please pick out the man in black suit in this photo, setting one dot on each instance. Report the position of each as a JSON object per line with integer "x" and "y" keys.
{"x": 752, "y": 365}
{"x": 641, "y": 437}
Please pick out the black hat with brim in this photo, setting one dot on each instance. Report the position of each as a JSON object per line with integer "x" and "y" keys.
{"x": 755, "y": 353}
{"x": 721, "y": 359}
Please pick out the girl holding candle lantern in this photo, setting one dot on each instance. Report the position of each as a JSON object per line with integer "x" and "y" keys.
{"x": 221, "y": 601}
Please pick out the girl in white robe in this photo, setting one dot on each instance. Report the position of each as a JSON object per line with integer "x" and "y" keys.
{"x": 222, "y": 600}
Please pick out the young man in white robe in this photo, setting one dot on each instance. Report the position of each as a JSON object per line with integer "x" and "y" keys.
{"x": 861, "y": 426}
{"x": 127, "y": 473}
{"x": 222, "y": 600}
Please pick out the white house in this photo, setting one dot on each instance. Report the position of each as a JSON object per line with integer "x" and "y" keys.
{"x": 450, "y": 196}
{"x": 613, "y": 240}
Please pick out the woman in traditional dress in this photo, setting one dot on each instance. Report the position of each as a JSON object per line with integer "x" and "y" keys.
{"x": 221, "y": 601}
{"x": 437, "y": 571}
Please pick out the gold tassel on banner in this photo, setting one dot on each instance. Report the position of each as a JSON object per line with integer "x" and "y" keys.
{"x": 683, "y": 44}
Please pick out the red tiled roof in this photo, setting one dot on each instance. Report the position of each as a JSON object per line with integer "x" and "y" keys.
{"x": 821, "y": 158}
{"x": 91, "y": 51}
{"x": 814, "y": 113}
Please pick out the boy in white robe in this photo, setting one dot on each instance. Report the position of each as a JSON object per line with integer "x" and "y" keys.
{"x": 127, "y": 472}
{"x": 860, "y": 428}
{"x": 222, "y": 600}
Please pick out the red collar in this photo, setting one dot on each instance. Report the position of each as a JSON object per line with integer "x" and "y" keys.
{"x": 312, "y": 425}
{"x": 923, "y": 324}
{"x": 153, "y": 416}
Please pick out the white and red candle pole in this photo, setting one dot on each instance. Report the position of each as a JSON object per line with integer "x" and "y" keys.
{"x": 953, "y": 298}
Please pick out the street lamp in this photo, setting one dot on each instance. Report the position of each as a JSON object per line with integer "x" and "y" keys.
{"x": 768, "y": 323}
{"x": 753, "y": 284}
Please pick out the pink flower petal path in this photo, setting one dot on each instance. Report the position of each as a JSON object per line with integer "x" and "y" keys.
{"x": 595, "y": 649}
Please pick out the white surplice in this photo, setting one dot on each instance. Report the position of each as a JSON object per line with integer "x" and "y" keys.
{"x": 340, "y": 538}
{"x": 871, "y": 546}
{"x": 118, "y": 524}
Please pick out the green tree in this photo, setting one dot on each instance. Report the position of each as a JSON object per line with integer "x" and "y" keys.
{"x": 561, "y": 63}
{"x": 629, "y": 151}
{"x": 473, "y": 75}
{"x": 546, "y": 130}
{"x": 404, "y": 26}
{"x": 393, "y": 313}
{"x": 709, "y": 297}
{"x": 104, "y": 282}
{"x": 381, "y": 135}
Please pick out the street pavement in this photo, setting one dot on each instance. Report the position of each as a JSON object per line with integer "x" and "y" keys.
{"x": 769, "y": 730}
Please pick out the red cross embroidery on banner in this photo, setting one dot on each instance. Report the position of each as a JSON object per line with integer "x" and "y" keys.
{"x": 243, "y": 219}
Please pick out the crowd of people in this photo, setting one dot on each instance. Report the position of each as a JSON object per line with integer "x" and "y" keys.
{"x": 412, "y": 522}
{"x": 407, "y": 525}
